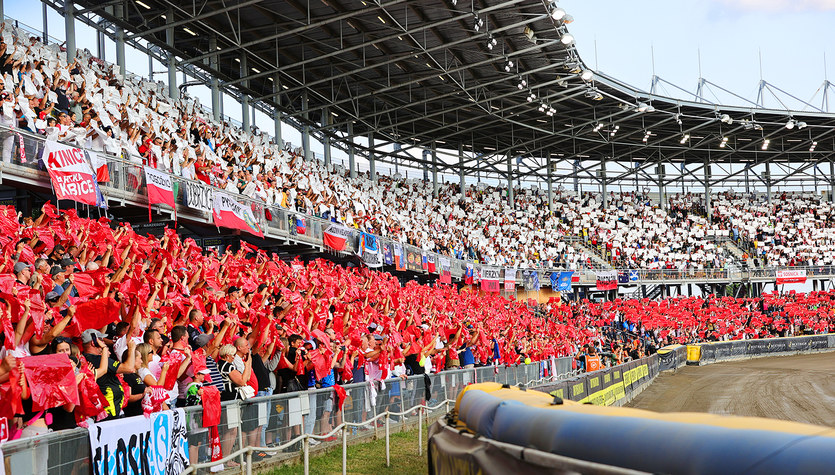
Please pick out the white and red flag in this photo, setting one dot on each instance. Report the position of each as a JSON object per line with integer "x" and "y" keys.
{"x": 72, "y": 176}
{"x": 229, "y": 213}
{"x": 160, "y": 189}
{"x": 336, "y": 236}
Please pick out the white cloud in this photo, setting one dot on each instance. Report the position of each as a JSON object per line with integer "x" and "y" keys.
{"x": 780, "y": 5}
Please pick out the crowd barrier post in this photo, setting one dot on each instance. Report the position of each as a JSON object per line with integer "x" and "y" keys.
{"x": 249, "y": 462}
{"x": 420, "y": 431}
{"x": 344, "y": 449}
{"x": 306, "y": 455}
{"x": 388, "y": 444}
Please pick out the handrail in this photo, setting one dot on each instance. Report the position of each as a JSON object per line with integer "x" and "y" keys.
{"x": 306, "y": 441}
{"x": 305, "y": 438}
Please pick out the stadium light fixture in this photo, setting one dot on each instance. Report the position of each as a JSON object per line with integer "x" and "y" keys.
{"x": 508, "y": 66}
{"x": 812, "y": 148}
{"x": 726, "y": 119}
{"x": 802, "y": 125}
{"x": 454, "y": 2}
{"x": 522, "y": 84}
{"x": 143, "y": 5}
{"x": 678, "y": 119}
{"x": 724, "y": 142}
{"x": 614, "y": 131}
{"x": 684, "y": 139}
{"x": 644, "y": 107}
{"x": 557, "y": 13}
{"x": 647, "y": 134}
{"x": 567, "y": 39}
{"x": 766, "y": 143}
{"x": 790, "y": 124}
{"x": 598, "y": 127}
{"x": 587, "y": 75}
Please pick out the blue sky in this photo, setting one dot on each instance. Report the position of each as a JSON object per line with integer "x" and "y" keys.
{"x": 792, "y": 36}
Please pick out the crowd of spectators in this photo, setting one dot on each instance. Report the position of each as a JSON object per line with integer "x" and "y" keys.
{"x": 795, "y": 229}
{"x": 148, "y": 321}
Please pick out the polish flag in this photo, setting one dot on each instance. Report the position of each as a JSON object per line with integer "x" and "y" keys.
{"x": 99, "y": 163}
{"x": 160, "y": 187}
{"x": 229, "y": 213}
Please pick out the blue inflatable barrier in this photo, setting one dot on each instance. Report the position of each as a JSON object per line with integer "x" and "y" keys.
{"x": 645, "y": 440}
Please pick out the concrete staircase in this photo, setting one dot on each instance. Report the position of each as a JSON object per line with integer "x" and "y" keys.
{"x": 597, "y": 260}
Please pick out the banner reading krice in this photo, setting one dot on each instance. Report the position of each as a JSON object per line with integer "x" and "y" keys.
{"x": 71, "y": 174}
{"x": 793, "y": 276}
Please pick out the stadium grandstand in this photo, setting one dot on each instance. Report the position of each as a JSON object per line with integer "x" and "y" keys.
{"x": 184, "y": 292}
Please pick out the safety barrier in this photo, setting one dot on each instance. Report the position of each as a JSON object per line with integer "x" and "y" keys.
{"x": 621, "y": 439}
{"x": 707, "y": 353}
{"x": 285, "y": 417}
{"x": 609, "y": 386}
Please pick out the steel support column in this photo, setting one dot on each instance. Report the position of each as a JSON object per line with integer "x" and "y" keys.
{"x": 708, "y": 205}
{"x": 372, "y": 162}
{"x": 352, "y": 166}
{"x": 767, "y": 179}
{"x": 308, "y": 154}
{"x": 602, "y": 172}
{"x": 550, "y": 185}
{"x": 326, "y": 139}
{"x": 118, "y": 11}
{"x": 461, "y": 184}
{"x": 831, "y": 181}
{"x": 173, "y": 92}
{"x": 245, "y": 112}
{"x": 69, "y": 29}
{"x": 434, "y": 171}
{"x": 43, "y": 17}
{"x": 215, "y": 85}
{"x": 279, "y": 139}
{"x": 662, "y": 200}
{"x": 510, "y": 198}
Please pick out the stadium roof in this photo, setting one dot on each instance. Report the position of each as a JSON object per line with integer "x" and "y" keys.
{"x": 416, "y": 72}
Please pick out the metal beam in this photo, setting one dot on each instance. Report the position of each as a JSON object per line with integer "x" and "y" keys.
{"x": 173, "y": 24}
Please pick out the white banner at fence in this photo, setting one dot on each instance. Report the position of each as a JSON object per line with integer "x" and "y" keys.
{"x": 140, "y": 445}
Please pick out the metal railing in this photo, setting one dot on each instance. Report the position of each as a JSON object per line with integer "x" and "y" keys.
{"x": 246, "y": 426}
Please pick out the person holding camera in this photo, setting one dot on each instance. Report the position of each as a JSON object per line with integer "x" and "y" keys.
{"x": 107, "y": 369}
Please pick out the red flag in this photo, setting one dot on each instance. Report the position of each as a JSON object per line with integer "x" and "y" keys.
{"x": 229, "y": 213}
{"x": 51, "y": 380}
{"x": 97, "y": 313}
{"x": 340, "y": 395}
{"x": 211, "y": 406}
{"x": 160, "y": 189}
{"x": 320, "y": 364}
{"x": 85, "y": 285}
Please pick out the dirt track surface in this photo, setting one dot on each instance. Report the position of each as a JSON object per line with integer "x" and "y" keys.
{"x": 793, "y": 388}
